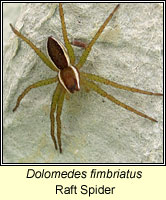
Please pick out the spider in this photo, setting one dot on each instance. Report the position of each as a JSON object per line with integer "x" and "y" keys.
{"x": 69, "y": 78}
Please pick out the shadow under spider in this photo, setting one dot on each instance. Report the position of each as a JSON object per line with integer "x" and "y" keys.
{"x": 69, "y": 78}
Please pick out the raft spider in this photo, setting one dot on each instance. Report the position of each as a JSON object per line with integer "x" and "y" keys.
{"x": 69, "y": 78}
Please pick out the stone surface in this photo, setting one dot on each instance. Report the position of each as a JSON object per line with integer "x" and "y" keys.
{"x": 94, "y": 130}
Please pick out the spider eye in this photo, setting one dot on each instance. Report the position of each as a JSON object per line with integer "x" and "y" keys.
{"x": 69, "y": 78}
{"x": 58, "y": 54}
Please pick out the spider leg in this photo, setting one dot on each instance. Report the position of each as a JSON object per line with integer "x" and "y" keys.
{"x": 55, "y": 98}
{"x": 59, "y": 111}
{"x": 78, "y": 43}
{"x": 37, "y": 50}
{"x": 35, "y": 85}
{"x": 65, "y": 37}
{"x": 116, "y": 85}
{"x": 88, "y": 48}
{"x": 83, "y": 85}
{"x": 96, "y": 88}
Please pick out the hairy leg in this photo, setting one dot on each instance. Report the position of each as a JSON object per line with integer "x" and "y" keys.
{"x": 116, "y": 85}
{"x": 92, "y": 42}
{"x": 55, "y": 98}
{"x": 37, "y": 50}
{"x": 96, "y": 88}
{"x": 58, "y": 120}
{"x": 65, "y": 37}
{"x": 35, "y": 85}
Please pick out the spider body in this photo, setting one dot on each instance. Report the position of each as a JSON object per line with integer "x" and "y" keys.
{"x": 69, "y": 78}
{"x": 68, "y": 75}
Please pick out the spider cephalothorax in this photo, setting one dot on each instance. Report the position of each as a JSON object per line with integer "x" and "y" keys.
{"x": 69, "y": 78}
